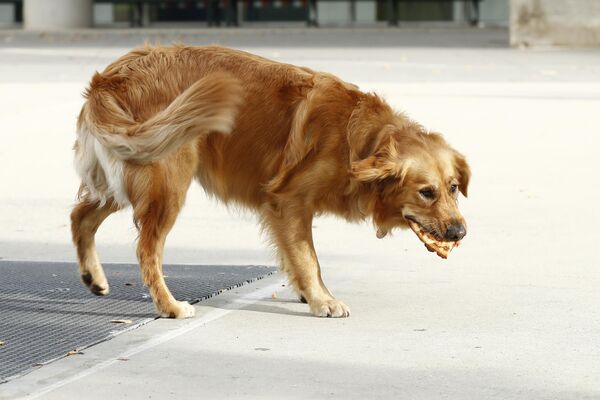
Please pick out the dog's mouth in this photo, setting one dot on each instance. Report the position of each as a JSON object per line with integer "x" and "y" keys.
{"x": 422, "y": 230}
{"x": 430, "y": 233}
{"x": 431, "y": 239}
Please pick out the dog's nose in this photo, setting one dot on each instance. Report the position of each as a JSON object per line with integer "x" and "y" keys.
{"x": 455, "y": 232}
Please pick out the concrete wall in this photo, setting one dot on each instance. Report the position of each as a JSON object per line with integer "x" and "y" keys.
{"x": 104, "y": 14}
{"x": 339, "y": 12}
{"x": 366, "y": 11}
{"x": 555, "y": 22}
{"x": 57, "y": 14}
{"x": 494, "y": 12}
{"x": 7, "y": 14}
{"x": 491, "y": 12}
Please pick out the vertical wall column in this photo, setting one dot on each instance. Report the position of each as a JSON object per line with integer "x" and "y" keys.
{"x": 53, "y": 15}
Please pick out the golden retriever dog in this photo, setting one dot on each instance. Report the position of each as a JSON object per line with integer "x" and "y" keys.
{"x": 284, "y": 141}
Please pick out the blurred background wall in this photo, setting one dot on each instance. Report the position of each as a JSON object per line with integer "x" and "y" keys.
{"x": 330, "y": 12}
{"x": 532, "y": 22}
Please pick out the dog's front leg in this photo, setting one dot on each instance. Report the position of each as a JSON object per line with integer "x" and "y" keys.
{"x": 292, "y": 231}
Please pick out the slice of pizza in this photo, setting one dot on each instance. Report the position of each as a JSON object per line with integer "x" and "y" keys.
{"x": 441, "y": 248}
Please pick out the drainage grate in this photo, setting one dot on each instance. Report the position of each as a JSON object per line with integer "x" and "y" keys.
{"x": 45, "y": 310}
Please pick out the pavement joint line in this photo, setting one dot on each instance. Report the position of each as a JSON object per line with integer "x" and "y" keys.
{"x": 235, "y": 305}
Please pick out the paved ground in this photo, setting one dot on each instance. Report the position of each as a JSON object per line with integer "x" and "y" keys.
{"x": 514, "y": 313}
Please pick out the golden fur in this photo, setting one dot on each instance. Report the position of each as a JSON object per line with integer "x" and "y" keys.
{"x": 285, "y": 141}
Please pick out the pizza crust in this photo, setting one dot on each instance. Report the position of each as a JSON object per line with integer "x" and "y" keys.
{"x": 441, "y": 248}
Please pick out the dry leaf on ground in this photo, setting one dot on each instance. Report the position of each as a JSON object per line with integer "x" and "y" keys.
{"x": 120, "y": 321}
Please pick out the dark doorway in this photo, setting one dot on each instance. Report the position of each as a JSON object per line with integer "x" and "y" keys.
{"x": 181, "y": 10}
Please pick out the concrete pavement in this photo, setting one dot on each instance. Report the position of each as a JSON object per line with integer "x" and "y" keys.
{"x": 513, "y": 314}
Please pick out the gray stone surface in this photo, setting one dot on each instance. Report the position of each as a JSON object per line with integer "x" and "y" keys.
{"x": 573, "y": 23}
{"x": 513, "y": 314}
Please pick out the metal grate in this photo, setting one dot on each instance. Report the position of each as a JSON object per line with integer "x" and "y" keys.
{"x": 45, "y": 310}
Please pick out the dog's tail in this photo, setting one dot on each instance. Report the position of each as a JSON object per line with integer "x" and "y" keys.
{"x": 209, "y": 105}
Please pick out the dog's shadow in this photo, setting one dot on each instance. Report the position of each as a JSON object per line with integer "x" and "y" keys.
{"x": 267, "y": 308}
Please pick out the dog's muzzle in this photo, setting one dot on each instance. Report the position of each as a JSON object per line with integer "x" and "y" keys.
{"x": 455, "y": 232}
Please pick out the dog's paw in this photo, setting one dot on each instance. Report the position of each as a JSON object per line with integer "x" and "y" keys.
{"x": 99, "y": 288}
{"x": 180, "y": 309}
{"x": 330, "y": 308}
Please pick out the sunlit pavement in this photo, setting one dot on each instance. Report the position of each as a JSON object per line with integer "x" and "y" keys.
{"x": 513, "y": 314}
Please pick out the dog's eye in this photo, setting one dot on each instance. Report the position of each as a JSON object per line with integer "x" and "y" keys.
{"x": 453, "y": 188}
{"x": 429, "y": 194}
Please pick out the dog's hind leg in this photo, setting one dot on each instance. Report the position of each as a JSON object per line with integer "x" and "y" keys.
{"x": 156, "y": 204}
{"x": 86, "y": 218}
{"x": 291, "y": 229}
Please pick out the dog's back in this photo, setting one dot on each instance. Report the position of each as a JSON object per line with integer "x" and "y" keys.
{"x": 138, "y": 87}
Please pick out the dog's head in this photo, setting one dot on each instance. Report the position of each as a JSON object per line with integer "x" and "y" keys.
{"x": 413, "y": 176}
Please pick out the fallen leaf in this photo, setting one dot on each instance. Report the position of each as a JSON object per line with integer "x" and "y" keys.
{"x": 74, "y": 352}
{"x": 120, "y": 321}
{"x": 1, "y": 343}
{"x": 274, "y": 295}
{"x": 123, "y": 359}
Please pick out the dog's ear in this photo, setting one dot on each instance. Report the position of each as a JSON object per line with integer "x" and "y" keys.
{"x": 464, "y": 172}
{"x": 379, "y": 158}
